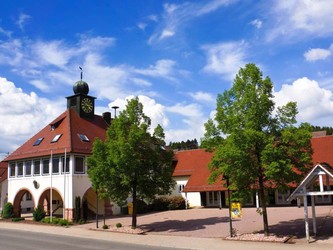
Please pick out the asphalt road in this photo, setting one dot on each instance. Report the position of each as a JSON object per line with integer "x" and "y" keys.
{"x": 17, "y": 240}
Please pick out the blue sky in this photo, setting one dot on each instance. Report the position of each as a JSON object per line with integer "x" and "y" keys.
{"x": 175, "y": 55}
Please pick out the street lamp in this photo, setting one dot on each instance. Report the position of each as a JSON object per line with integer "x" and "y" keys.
{"x": 115, "y": 110}
{"x": 226, "y": 178}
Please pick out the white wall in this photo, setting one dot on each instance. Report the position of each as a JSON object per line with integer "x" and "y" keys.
{"x": 193, "y": 198}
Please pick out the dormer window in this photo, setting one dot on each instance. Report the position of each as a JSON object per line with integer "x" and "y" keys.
{"x": 38, "y": 141}
{"x": 83, "y": 137}
{"x": 56, "y": 138}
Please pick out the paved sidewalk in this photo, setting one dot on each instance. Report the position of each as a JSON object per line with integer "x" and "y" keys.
{"x": 203, "y": 229}
{"x": 214, "y": 223}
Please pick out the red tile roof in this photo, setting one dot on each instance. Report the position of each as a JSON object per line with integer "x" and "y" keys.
{"x": 194, "y": 163}
{"x": 3, "y": 171}
{"x": 322, "y": 149}
{"x": 69, "y": 124}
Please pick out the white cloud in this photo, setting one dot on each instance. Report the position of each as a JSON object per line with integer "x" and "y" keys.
{"x": 318, "y": 54}
{"x": 202, "y": 96}
{"x": 23, "y": 18}
{"x": 192, "y": 120}
{"x": 151, "y": 108}
{"x": 163, "y": 68}
{"x": 300, "y": 18}
{"x": 315, "y": 104}
{"x": 142, "y": 26}
{"x": 5, "y": 32}
{"x": 256, "y": 23}
{"x": 24, "y": 115}
{"x": 189, "y": 117}
{"x": 225, "y": 59}
{"x": 175, "y": 16}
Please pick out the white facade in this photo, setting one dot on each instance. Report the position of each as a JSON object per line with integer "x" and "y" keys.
{"x": 38, "y": 180}
{"x": 193, "y": 198}
{"x": 3, "y": 194}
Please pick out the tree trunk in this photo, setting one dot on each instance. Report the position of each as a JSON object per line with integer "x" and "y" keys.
{"x": 134, "y": 213}
{"x": 263, "y": 204}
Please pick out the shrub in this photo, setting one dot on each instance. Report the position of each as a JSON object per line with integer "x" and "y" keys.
{"x": 84, "y": 210}
{"x": 18, "y": 219}
{"x": 160, "y": 203}
{"x": 77, "y": 208}
{"x": 8, "y": 211}
{"x": 63, "y": 222}
{"x": 119, "y": 225}
{"x": 105, "y": 226}
{"x": 176, "y": 203}
{"x": 39, "y": 213}
{"x": 164, "y": 203}
{"x": 82, "y": 221}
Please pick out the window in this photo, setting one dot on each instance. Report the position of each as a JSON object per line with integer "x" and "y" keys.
{"x": 180, "y": 188}
{"x": 27, "y": 168}
{"x": 12, "y": 169}
{"x": 46, "y": 168}
{"x": 36, "y": 167}
{"x": 83, "y": 137}
{"x": 55, "y": 165}
{"x": 38, "y": 141}
{"x": 20, "y": 169}
{"x": 56, "y": 138}
{"x": 28, "y": 197}
{"x": 65, "y": 165}
{"x": 79, "y": 165}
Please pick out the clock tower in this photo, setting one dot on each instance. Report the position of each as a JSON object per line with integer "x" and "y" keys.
{"x": 81, "y": 102}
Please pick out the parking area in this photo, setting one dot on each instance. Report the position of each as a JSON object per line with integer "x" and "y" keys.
{"x": 214, "y": 222}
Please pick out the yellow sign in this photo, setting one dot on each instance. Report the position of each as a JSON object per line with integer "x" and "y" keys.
{"x": 236, "y": 210}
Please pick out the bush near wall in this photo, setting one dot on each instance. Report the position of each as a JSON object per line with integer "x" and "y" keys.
{"x": 164, "y": 203}
{"x": 39, "y": 213}
{"x": 8, "y": 211}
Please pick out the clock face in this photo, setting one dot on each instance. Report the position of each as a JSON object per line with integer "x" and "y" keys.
{"x": 86, "y": 105}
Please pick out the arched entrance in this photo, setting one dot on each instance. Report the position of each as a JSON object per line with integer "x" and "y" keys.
{"x": 57, "y": 202}
{"x": 23, "y": 203}
{"x": 103, "y": 207}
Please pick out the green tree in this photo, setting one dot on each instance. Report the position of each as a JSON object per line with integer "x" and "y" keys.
{"x": 261, "y": 148}
{"x": 131, "y": 162}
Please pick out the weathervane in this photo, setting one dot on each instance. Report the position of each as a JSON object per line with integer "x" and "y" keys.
{"x": 81, "y": 72}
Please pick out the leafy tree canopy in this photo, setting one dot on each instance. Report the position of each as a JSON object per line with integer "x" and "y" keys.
{"x": 184, "y": 145}
{"x": 131, "y": 162}
{"x": 256, "y": 145}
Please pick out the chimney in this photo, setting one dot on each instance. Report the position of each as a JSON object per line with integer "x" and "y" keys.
{"x": 107, "y": 117}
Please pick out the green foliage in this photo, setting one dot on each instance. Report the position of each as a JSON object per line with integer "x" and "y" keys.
{"x": 18, "y": 219}
{"x": 8, "y": 211}
{"x": 163, "y": 203}
{"x": 105, "y": 226}
{"x": 329, "y": 130}
{"x": 39, "y": 213}
{"x": 77, "y": 212}
{"x": 56, "y": 221}
{"x": 131, "y": 161}
{"x": 119, "y": 225}
{"x": 260, "y": 147}
{"x": 84, "y": 210}
{"x": 189, "y": 144}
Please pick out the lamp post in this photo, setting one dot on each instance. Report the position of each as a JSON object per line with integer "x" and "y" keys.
{"x": 115, "y": 110}
{"x": 226, "y": 178}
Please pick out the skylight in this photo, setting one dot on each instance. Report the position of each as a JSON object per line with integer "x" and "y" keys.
{"x": 83, "y": 137}
{"x": 38, "y": 141}
{"x": 56, "y": 138}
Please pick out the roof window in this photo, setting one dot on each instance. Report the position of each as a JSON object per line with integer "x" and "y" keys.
{"x": 38, "y": 141}
{"x": 56, "y": 138}
{"x": 83, "y": 137}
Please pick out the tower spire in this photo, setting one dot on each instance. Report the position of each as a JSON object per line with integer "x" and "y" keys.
{"x": 81, "y": 72}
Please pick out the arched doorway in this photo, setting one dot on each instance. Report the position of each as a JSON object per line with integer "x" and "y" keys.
{"x": 57, "y": 202}
{"x": 102, "y": 206}
{"x": 23, "y": 203}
